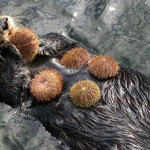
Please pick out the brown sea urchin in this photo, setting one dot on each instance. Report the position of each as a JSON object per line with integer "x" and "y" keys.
{"x": 103, "y": 67}
{"x": 85, "y": 93}
{"x": 26, "y": 42}
{"x": 75, "y": 58}
{"x": 46, "y": 85}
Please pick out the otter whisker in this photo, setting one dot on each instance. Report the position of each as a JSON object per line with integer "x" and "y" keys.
{"x": 2, "y": 58}
{"x": 19, "y": 16}
{"x": 18, "y": 25}
{"x": 25, "y": 23}
{"x": 18, "y": 20}
{"x": 1, "y": 64}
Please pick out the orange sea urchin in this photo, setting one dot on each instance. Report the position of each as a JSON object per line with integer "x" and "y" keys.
{"x": 103, "y": 67}
{"x": 75, "y": 58}
{"x": 26, "y": 42}
{"x": 46, "y": 85}
{"x": 85, "y": 93}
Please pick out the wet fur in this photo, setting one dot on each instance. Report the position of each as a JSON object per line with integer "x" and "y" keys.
{"x": 14, "y": 75}
{"x": 120, "y": 121}
{"x": 53, "y": 44}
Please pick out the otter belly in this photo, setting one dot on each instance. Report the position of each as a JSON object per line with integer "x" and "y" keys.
{"x": 120, "y": 120}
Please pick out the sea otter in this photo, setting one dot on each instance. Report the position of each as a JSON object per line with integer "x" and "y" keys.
{"x": 119, "y": 121}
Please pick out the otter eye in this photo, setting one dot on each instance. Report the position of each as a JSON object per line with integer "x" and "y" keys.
{"x": 3, "y": 25}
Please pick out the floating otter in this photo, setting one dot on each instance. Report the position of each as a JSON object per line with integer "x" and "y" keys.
{"x": 120, "y": 120}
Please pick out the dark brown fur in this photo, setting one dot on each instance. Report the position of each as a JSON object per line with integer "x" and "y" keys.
{"x": 119, "y": 121}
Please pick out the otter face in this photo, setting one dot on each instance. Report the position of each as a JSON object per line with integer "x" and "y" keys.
{"x": 7, "y": 27}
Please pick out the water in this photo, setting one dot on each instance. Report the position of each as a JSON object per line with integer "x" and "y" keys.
{"x": 118, "y": 28}
{"x": 18, "y": 132}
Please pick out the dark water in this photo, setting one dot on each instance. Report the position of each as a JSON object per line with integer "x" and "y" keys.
{"x": 118, "y": 28}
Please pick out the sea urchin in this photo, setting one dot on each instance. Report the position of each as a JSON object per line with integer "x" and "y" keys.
{"x": 26, "y": 42}
{"x": 103, "y": 67}
{"x": 46, "y": 85}
{"x": 75, "y": 58}
{"x": 85, "y": 93}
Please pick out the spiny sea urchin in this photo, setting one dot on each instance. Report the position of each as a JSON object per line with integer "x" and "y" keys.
{"x": 26, "y": 42}
{"x": 103, "y": 67}
{"x": 85, "y": 93}
{"x": 46, "y": 85}
{"x": 75, "y": 58}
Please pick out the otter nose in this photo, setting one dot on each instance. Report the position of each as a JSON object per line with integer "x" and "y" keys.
{"x": 3, "y": 25}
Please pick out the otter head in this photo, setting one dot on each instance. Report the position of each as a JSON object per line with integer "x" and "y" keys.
{"x": 7, "y": 27}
